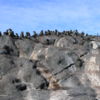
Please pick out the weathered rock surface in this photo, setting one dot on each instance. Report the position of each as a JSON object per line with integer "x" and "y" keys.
{"x": 50, "y": 68}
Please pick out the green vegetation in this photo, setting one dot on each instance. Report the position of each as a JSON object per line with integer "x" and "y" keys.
{"x": 11, "y": 33}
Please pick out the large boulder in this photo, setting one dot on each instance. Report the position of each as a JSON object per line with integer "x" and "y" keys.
{"x": 92, "y": 67}
{"x": 47, "y": 40}
{"x": 25, "y": 47}
{"x": 65, "y": 42}
{"x": 60, "y": 64}
{"x": 31, "y": 76}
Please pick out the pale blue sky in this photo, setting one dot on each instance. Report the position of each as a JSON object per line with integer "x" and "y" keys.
{"x": 29, "y": 15}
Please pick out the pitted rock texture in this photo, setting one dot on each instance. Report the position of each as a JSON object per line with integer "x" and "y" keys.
{"x": 50, "y": 67}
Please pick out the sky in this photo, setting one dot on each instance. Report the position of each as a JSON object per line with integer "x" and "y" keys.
{"x": 30, "y": 15}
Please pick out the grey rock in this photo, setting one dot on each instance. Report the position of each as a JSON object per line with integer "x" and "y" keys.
{"x": 10, "y": 43}
{"x": 50, "y": 67}
{"x": 25, "y": 47}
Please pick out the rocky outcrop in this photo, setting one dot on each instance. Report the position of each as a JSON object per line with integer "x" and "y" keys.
{"x": 50, "y": 68}
{"x": 92, "y": 67}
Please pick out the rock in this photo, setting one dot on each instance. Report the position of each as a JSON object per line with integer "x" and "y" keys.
{"x": 47, "y": 40}
{"x": 7, "y": 64}
{"x": 92, "y": 68}
{"x": 38, "y": 52}
{"x": 25, "y": 47}
{"x": 65, "y": 42}
{"x": 27, "y": 73}
{"x": 95, "y": 44}
{"x": 50, "y": 67}
{"x": 6, "y": 41}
